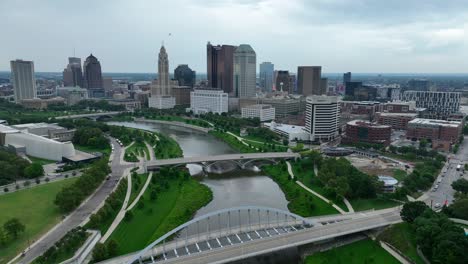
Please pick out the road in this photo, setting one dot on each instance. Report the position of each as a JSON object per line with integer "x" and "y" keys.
{"x": 352, "y": 223}
{"x": 82, "y": 213}
{"x": 448, "y": 175}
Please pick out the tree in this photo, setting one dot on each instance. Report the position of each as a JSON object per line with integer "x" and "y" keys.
{"x": 422, "y": 143}
{"x": 34, "y": 170}
{"x": 460, "y": 185}
{"x": 412, "y": 210}
{"x": 459, "y": 209}
{"x": 14, "y": 227}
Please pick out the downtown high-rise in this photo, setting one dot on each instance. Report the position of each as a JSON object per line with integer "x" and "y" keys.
{"x": 266, "y": 76}
{"x": 220, "y": 67}
{"x": 23, "y": 80}
{"x": 309, "y": 80}
{"x": 73, "y": 74}
{"x": 93, "y": 77}
{"x": 161, "y": 91}
{"x": 184, "y": 75}
{"x": 245, "y": 72}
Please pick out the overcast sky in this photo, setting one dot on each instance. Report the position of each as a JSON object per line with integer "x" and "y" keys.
{"x": 340, "y": 35}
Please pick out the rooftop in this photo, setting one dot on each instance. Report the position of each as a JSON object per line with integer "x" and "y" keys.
{"x": 398, "y": 114}
{"x": 259, "y": 106}
{"x": 387, "y": 180}
{"x": 434, "y": 122}
{"x": 289, "y": 129}
{"x": 37, "y": 125}
{"x": 6, "y": 129}
{"x": 364, "y": 123}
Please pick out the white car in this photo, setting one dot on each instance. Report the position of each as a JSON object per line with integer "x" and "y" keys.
{"x": 437, "y": 205}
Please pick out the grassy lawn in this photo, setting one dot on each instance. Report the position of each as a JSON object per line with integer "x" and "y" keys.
{"x": 40, "y": 160}
{"x": 402, "y": 237}
{"x": 173, "y": 207}
{"x": 398, "y": 174}
{"x": 138, "y": 149}
{"x": 363, "y": 251}
{"x": 137, "y": 184}
{"x": 308, "y": 178}
{"x": 35, "y": 209}
{"x": 301, "y": 202}
{"x": 232, "y": 142}
{"x": 376, "y": 203}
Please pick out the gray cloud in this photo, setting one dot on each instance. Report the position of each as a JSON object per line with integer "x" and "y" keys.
{"x": 340, "y": 35}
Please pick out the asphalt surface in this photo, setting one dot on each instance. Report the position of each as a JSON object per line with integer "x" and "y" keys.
{"x": 80, "y": 214}
{"x": 449, "y": 174}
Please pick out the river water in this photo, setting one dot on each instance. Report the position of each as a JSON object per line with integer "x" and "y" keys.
{"x": 241, "y": 190}
{"x": 237, "y": 188}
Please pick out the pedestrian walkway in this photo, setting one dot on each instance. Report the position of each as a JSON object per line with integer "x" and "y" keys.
{"x": 148, "y": 180}
{"x": 348, "y": 204}
{"x": 122, "y": 211}
{"x": 288, "y": 164}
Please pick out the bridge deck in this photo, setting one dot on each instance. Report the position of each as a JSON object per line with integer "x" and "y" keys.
{"x": 225, "y": 157}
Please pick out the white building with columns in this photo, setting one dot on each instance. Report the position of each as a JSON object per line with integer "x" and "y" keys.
{"x": 322, "y": 117}
{"x": 205, "y": 101}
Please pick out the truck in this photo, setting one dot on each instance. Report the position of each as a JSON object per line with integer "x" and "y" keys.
{"x": 459, "y": 166}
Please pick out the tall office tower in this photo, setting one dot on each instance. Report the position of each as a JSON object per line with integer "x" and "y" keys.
{"x": 93, "y": 77}
{"x": 245, "y": 71}
{"x": 266, "y": 76}
{"x": 282, "y": 81}
{"x": 164, "y": 86}
{"x": 184, "y": 75}
{"x": 23, "y": 80}
{"x": 308, "y": 80}
{"x": 346, "y": 77}
{"x": 322, "y": 117}
{"x": 351, "y": 88}
{"x": 323, "y": 85}
{"x": 220, "y": 67}
{"x": 418, "y": 85}
{"x": 292, "y": 84}
{"x": 72, "y": 74}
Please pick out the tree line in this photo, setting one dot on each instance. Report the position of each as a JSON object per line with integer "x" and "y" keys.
{"x": 14, "y": 167}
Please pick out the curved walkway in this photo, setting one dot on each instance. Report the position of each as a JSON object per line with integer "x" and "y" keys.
{"x": 121, "y": 213}
{"x": 148, "y": 180}
{"x": 313, "y": 192}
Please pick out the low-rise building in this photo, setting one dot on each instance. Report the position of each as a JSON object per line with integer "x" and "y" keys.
{"x": 389, "y": 183}
{"x": 181, "y": 94}
{"x": 442, "y": 133}
{"x": 34, "y": 145}
{"x": 360, "y": 131}
{"x": 260, "y": 111}
{"x": 52, "y": 131}
{"x": 130, "y": 104}
{"x": 161, "y": 102}
{"x": 289, "y": 132}
{"x": 39, "y": 104}
{"x": 395, "y": 120}
{"x": 72, "y": 95}
{"x": 208, "y": 101}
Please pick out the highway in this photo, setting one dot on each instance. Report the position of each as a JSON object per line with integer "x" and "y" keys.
{"x": 81, "y": 214}
{"x": 343, "y": 225}
{"x": 448, "y": 175}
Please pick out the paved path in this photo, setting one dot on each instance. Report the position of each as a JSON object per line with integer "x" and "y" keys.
{"x": 313, "y": 192}
{"x": 148, "y": 181}
{"x": 348, "y": 204}
{"x": 395, "y": 254}
{"x": 81, "y": 214}
{"x": 122, "y": 211}
{"x": 240, "y": 139}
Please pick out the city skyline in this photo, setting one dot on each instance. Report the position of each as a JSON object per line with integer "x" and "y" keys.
{"x": 427, "y": 38}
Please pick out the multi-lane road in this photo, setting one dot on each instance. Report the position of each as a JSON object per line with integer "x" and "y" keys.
{"x": 444, "y": 192}
{"x": 81, "y": 214}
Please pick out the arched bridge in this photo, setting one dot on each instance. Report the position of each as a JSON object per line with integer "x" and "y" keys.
{"x": 240, "y": 159}
{"x": 220, "y": 229}
{"x": 238, "y": 233}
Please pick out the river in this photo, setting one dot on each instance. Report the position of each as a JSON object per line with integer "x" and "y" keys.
{"x": 243, "y": 189}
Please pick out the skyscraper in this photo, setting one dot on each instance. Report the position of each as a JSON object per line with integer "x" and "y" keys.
{"x": 164, "y": 86}
{"x": 245, "y": 71}
{"x": 323, "y": 85}
{"x": 184, "y": 75}
{"x": 220, "y": 67}
{"x": 23, "y": 80}
{"x": 308, "y": 80}
{"x": 93, "y": 77}
{"x": 266, "y": 76}
{"x": 72, "y": 74}
{"x": 346, "y": 77}
{"x": 322, "y": 117}
{"x": 283, "y": 81}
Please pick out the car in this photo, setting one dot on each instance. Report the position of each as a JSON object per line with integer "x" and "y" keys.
{"x": 437, "y": 205}
{"x": 437, "y": 186}
{"x": 434, "y": 189}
